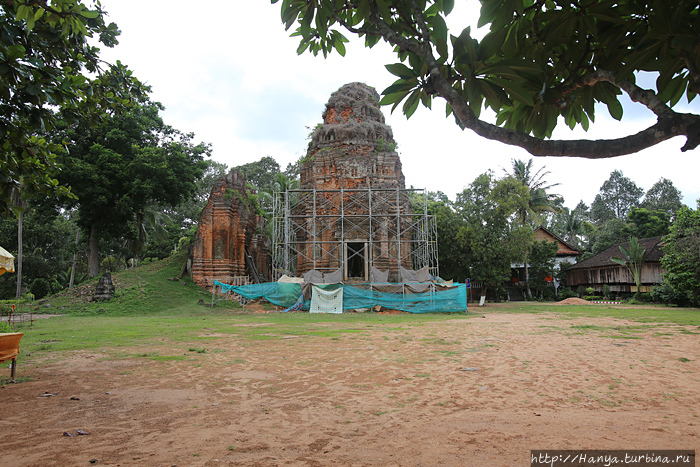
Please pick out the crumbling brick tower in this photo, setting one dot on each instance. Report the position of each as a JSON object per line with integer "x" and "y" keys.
{"x": 227, "y": 226}
{"x": 358, "y": 216}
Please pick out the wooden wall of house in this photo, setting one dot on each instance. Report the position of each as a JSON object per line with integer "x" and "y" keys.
{"x": 613, "y": 275}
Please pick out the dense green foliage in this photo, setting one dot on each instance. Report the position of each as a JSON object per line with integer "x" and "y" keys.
{"x": 49, "y": 244}
{"x": 261, "y": 174}
{"x": 123, "y": 170}
{"x": 541, "y": 62}
{"x": 632, "y": 258}
{"x": 682, "y": 255}
{"x": 617, "y": 196}
{"x": 48, "y": 60}
{"x": 541, "y": 258}
{"x": 489, "y": 238}
{"x": 617, "y": 214}
{"x": 663, "y": 196}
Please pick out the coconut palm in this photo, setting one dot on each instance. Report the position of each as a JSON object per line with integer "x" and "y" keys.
{"x": 540, "y": 200}
{"x": 150, "y": 223}
{"x": 632, "y": 259}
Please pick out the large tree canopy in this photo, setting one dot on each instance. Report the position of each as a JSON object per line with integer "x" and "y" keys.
{"x": 45, "y": 59}
{"x": 490, "y": 239}
{"x": 541, "y": 60}
{"x": 682, "y": 255}
{"x": 617, "y": 196}
{"x": 123, "y": 167}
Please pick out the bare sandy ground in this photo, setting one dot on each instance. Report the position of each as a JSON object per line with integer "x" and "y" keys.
{"x": 479, "y": 392}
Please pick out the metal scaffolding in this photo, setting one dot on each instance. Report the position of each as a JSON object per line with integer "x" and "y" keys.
{"x": 369, "y": 227}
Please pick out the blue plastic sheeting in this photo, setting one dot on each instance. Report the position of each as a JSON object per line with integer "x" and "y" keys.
{"x": 286, "y": 295}
{"x": 278, "y": 293}
{"x": 445, "y": 301}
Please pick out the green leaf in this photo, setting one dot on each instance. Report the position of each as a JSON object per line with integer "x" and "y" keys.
{"x": 615, "y": 108}
{"x": 384, "y": 10}
{"x": 30, "y": 22}
{"x": 491, "y": 43}
{"x": 439, "y": 34}
{"x": 400, "y": 70}
{"x": 678, "y": 87}
{"x": 394, "y": 97}
{"x": 489, "y": 12}
{"x": 362, "y": 11}
{"x": 89, "y": 14}
{"x": 448, "y": 6}
{"x": 426, "y": 99}
{"x": 411, "y": 104}
{"x": 401, "y": 85}
{"x": 515, "y": 90}
{"x": 23, "y": 12}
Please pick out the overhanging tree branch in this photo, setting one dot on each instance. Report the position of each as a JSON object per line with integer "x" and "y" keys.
{"x": 669, "y": 123}
{"x": 528, "y": 67}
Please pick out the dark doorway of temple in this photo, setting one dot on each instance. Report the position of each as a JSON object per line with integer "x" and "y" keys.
{"x": 355, "y": 260}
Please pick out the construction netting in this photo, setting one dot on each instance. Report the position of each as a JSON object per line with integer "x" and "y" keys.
{"x": 436, "y": 300}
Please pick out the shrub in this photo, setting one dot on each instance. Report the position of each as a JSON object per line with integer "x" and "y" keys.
{"x": 643, "y": 297}
{"x": 548, "y": 293}
{"x": 501, "y": 293}
{"x": 6, "y": 327}
{"x": 40, "y": 288}
{"x": 566, "y": 292}
{"x": 581, "y": 291}
{"x": 665, "y": 294}
{"x": 590, "y": 291}
{"x": 606, "y": 290}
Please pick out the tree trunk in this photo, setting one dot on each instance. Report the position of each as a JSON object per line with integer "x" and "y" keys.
{"x": 75, "y": 259}
{"x": 527, "y": 280}
{"x": 20, "y": 218}
{"x": 93, "y": 253}
{"x": 482, "y": 299}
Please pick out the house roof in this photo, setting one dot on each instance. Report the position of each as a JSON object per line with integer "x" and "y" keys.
{"x": 564, "y": 249}
{"x": 651, "y": 245}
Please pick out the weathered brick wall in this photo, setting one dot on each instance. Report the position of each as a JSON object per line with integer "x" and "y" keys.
{"x": 226, "y": 226}
{"x": 353, "y": 148}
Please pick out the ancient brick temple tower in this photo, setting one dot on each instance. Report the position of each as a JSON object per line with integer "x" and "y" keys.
{"x": 227, "y": 234}
{"x": 352, "y": 211}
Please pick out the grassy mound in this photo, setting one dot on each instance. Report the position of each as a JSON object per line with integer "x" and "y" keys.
{"x": 148, "y": 289}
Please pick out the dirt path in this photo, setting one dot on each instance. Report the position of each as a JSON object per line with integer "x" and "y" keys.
{"x": 479, "y": 392}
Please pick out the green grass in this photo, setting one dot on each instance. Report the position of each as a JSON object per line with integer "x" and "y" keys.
{"x": 148, "y": 309}
{"x": 646, "y": 313}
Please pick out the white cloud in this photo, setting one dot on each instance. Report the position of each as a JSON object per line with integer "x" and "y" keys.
{"x": 229, "y": 72}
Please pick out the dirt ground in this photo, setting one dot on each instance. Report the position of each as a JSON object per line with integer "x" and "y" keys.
{"x": 478, "y": 392}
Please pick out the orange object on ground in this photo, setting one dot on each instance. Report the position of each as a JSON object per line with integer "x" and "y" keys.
{"x": 9, "y": 348}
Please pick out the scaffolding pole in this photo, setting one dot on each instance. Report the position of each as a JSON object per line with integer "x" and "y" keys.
{"x": 382, "y": 218}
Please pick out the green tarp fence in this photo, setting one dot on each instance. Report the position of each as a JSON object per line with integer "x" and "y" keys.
{"x": 286, "y": 295}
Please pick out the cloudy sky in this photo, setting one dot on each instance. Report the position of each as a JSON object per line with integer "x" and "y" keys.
{"x": 229, "y": 72}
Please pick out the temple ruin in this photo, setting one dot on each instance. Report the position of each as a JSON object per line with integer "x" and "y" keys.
{"x": 352, "y": 215}
{"x": 229, "y": 244}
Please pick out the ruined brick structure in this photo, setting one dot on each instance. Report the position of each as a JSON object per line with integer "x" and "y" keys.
{"x": 356, "y": 228}
{"x": 227, "y": 227}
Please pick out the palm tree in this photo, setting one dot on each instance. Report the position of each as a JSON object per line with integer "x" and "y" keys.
{"x": 281, "y": 185}
{"x": 150, "y": 222}
{"x": 571, "y": 225}
{"x": 632, "y": 259}
{"x": 540, "y": 201}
